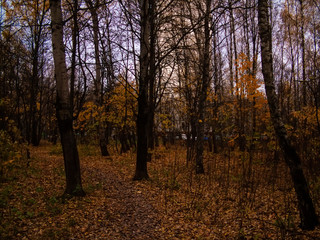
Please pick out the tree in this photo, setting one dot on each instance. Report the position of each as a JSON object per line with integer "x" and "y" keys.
{"x": 32, "y": 20}
{"x": 63, "y": 105}
{"x": 307, "y": 212}
{"x": 93, "y": 7}
{"x": 205, "y": 81}
{"x": 146, "y": 9}
{"x": 122, "y": 109}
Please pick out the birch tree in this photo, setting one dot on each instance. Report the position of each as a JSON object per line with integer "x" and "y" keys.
{"x": 63, "y": 105}
{"x": 307, "y": 212}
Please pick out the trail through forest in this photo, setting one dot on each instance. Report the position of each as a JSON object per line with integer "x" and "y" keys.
{"x": 112, "y": 209}
{"x": 130, "y": 214}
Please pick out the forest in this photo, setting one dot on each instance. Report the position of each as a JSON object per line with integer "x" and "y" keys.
{"x": 169, "y": 119}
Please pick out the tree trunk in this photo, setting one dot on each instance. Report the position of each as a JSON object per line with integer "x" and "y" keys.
{"x": 150, "y": 130}
{"x": 307, "y": 212}
{"x": 124, "y": 141}
{"x": 152, "y": 75}
{"x": 304, "y": 77}
{"x": 142, "y": 143}
{"x": 142, "y": 118}
{"x": 37, "y": 41}
{"x": 203, "y": 94}
{"x": 63, "y": 107}
{"x": 98, "y": 78}
{"x": 35, "y": 138}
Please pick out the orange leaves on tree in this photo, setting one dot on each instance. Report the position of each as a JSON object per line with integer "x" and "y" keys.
{"x": 90, "y": 116}
{"x": 247, "y": 85}
{"x": 307, "y": 118}
{"x": 165, "y": 121}
{"x": 118, "y": 109}
{"x": 122, "y": 105}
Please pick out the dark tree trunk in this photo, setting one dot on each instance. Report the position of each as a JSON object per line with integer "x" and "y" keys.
{"x": 142, "y": 144}
{"x": 203, "y": 94}
{"x": 54, "y": 137}
{"x": 70, "y": 151}
{"x": 307, "y": 212}
{"x": 124, "y": 141}
{"x": 164, "y": 139}
{"x": 36, "y": 134}
{"x": 150, "y": 130}
{"x": 63, "y": 106}
{"x": 103, "y": 141}
{"x": 144, "y": 80}
{"x": 132, "y": 140}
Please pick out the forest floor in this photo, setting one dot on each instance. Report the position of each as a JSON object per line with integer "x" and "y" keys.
{"x": 231, "y": 201}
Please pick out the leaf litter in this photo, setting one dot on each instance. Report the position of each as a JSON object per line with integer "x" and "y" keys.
{"x": 174, "y": 204}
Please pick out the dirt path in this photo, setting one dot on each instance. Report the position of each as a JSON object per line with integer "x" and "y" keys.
{"x": 114, "y": 207}
{"x": 118, "y": 209}
{"x": 129, "y": 214}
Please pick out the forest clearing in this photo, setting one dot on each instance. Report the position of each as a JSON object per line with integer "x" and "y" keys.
{"x": 233, "y": 200}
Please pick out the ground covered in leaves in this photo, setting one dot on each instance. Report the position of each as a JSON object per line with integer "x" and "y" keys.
{"x": 239, "y": 197}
